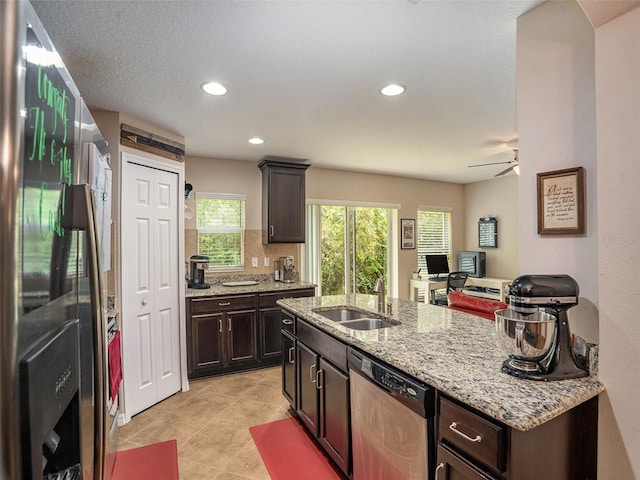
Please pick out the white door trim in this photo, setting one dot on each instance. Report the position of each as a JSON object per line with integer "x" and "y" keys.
{"x": 152, "y": 161}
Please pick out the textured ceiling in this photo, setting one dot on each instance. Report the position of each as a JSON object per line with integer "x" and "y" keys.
{"x": 305, "y": 76}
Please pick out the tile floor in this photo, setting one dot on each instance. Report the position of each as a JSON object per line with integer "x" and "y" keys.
{"x": 211, "y": 424}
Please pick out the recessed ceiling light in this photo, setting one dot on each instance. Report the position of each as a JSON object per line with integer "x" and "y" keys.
{"x": 393, "y": 89}
{"x": 214, "y": 88}
{"x": 256, "y": 141}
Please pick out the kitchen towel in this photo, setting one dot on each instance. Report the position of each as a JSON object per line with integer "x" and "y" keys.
{"x": 115, "y": 365}
{"x": 289, "y": 452}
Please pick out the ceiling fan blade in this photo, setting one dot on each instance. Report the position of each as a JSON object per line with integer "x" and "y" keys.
{"x": 505, "y": 171}
{"x": 485, "y": 164}
{"x": 501, "y": 141}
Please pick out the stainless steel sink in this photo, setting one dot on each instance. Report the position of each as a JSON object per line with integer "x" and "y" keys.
{"x": 366, "y": 324}
{"x": 343, "y": 314}
{"x": 354, "y": 319}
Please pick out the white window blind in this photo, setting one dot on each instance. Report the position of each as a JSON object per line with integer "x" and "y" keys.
{"x": 220, "y": 224}
{"x": 433, "y": 234}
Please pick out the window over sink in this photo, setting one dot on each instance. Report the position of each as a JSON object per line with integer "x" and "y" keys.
{"x": 220, "y": 224}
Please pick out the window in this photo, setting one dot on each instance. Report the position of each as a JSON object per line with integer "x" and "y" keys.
{"x": 220, "y": 224}
{"x": 433, "y": 233}
{"x": 348, "y": 247}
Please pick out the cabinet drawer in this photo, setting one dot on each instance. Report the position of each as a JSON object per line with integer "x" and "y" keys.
{"x": 268, "y": 300}
{"x": 288, "y": 322}
{"x": 450, "y": 465}
{"x": 323, "y": 343}
{"x": 480, "y": 438}
{"x": 217, "y": 304}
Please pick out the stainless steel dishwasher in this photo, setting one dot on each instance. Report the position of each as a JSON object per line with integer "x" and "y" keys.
{"x": 392, "y": 422}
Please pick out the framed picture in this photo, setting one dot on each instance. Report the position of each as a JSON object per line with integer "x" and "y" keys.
{"x": 488, "y": 233}
{"x": 561, "y": 202}
{"x": 407, "y": 233}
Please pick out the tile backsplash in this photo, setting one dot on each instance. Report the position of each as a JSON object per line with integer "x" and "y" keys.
{"x": 254, "y": 248}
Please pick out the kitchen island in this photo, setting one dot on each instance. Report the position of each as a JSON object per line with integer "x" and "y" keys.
{"x": 513, "y": 428}
{"x": 454, "y": 352}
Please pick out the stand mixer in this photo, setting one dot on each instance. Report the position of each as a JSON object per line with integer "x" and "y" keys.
{"x": 535, "y": 330}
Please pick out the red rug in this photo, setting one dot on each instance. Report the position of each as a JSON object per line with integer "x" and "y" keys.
{"x": 152, "y": 462}
{"x": 289, "y": 452}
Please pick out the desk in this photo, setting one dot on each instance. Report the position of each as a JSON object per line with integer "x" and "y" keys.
{"x": 487, "y": 282}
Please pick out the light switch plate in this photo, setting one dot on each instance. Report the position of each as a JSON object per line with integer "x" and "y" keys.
{"x": 266, "y": 261}
{"x": 254, "y": 262}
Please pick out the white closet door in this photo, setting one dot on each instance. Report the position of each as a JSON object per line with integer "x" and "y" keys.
{"x": 150, "y": 318}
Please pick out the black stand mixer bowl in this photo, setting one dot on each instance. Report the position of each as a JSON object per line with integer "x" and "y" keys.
{"x": 554, "y": 295}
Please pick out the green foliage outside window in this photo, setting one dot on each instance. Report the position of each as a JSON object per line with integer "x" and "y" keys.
{"x": 367, "y": 247}
{"x": 220, "y": 221}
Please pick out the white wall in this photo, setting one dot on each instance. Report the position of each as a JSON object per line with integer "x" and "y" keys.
{"x": 618, "y": 106}
{"x": 497, "y": 197}
{"x": 559, "y": 61}
{"x": 557, "y": 130}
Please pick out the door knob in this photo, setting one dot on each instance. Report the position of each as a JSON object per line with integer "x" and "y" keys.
{"x": 144, "y": 301}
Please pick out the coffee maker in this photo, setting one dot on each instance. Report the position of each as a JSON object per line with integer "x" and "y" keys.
{"x": 197, "y": 266}
{"x": 535, "y": 330}
{"x": 286, "y": 270}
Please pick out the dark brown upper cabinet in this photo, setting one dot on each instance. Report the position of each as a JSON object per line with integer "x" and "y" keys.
{"x": 283, "y": 200}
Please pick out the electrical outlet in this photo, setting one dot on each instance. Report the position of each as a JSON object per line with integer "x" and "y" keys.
{"x": 266, "y": 261}
{"x": 254, "y": 262}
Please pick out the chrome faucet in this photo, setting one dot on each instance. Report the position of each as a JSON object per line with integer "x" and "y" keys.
{"x": 379, "y": 288}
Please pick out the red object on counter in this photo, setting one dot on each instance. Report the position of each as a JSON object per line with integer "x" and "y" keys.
{"x": 115, "y": 365}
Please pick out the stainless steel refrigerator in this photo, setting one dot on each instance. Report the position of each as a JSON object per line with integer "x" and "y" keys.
{"x": 57, "y": 407}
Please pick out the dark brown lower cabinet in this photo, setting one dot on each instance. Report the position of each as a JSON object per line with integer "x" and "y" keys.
{"x": 473, "y": 446}
{"x": 270, "y": 322}
{"x": 289, "y": 368}
{"x": 335, "y": 434}
{"x": 323, "y": 392}
{"x": 222, "y": 341}
{"x": 308, "y": 400}
{"x": 230, "y": 333}
{"x": 451, "y": 466}
{"x": 241, "y": 337}
{"x": 222, "y": 333}
{"x": 207, "y": 350}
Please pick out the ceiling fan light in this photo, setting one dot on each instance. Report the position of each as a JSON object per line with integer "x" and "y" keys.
{"x": 516, "y": 168}
{"x": 393, "y": 89}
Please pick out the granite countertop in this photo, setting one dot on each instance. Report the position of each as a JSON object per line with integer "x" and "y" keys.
{"x": 268, "y": 285}
{"x": 456, "y": 353}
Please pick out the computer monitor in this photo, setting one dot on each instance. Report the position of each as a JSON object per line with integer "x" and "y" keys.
{"x": 437, "y": 265}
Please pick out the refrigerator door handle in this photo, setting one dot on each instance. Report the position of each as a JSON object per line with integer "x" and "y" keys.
{"x": 80, "y": 214}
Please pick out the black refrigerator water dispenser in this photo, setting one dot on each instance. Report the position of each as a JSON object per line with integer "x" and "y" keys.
{"x": 50, "y": 407}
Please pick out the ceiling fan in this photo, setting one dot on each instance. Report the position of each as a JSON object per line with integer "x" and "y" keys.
{"x": 514, "y": 165}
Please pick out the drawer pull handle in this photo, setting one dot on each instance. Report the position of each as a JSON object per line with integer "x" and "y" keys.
{"x": 220, "y": 325}
{"x": 312, "y": 375}
{"x": 287, "y": 321}
{"x": 224, "y": 304}
{"x": 454, "y": 427}
{"x": 291, "y": 360}
{"x": 440, "y": 466}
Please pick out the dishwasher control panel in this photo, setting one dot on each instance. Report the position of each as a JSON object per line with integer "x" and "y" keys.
{"x": 413, "y": 393}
